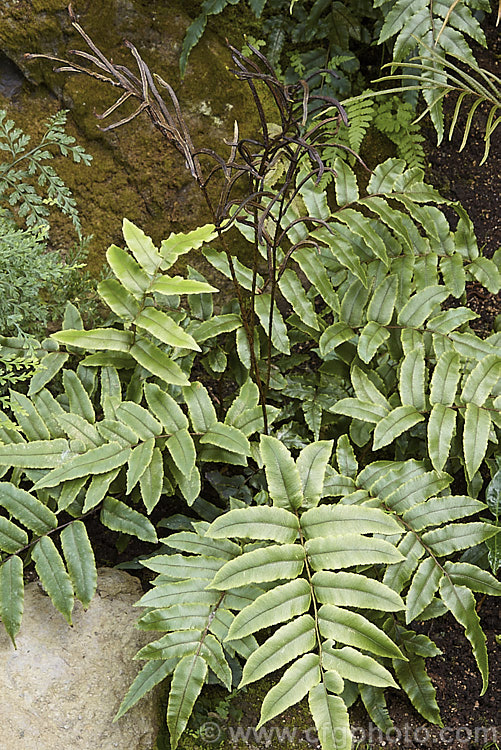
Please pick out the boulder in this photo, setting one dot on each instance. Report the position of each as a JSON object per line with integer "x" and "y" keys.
{"x": 62, "y": 686}
{"x": 135, "y": 172}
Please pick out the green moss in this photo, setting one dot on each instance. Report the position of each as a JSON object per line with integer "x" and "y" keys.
{"x": 135, "y": 172}
{"x": 233, "y": 718}
{"x": 48, "y": 6}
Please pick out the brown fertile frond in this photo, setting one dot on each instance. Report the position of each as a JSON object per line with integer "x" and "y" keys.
{"x": 141, "y": 87}
{"x": 250, "y": 158}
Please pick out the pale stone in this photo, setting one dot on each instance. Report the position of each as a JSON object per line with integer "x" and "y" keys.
{"x": 63, "y": 685}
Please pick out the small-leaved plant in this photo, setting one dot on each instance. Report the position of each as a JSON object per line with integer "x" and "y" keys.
{"x": 33, "y": 280}
{"x": 28, "y": 180}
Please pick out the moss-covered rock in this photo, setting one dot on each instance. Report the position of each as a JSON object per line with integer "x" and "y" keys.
{"x": 135, "y": 172}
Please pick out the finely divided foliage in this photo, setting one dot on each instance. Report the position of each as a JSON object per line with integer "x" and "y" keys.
{"x": 338, "y": 551}
{"x": 20, "y": 165}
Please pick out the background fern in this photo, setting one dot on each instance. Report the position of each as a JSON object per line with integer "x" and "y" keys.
{"x": 427, "y": 40}
{"x": 22, "y": 165}
{"x": 35, "y": 280}
{"x": 303, "y": 37}
{"x": 389, "y": 115}
{"x": 396, "y": 119}
{"x": 443, "y": 27}
{"x": 473, "y": 88}
{"x": 32, "y": 280}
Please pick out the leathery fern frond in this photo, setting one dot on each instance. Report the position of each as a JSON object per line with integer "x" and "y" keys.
{"x": 65, "y": 456}
{"x": 293, "y": 566}
{"x": 443, "y": 26}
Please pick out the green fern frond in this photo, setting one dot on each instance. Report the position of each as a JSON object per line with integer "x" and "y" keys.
{"x": 440, "y": 27}
{"x": 437, "y": 24}
{"x": 470, "y": 83}
{"x": 395, "y": 119}
{"x": 409, "y": 148}
{"x": 360, "y": 112}
{"x": 17, "y": 175}
{"x": 197, "y": 27}
{"x": 319, "y": 543}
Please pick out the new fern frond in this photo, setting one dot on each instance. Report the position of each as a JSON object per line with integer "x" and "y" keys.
{"x": 360, "y": 114}
{"x": 396, "y": 119}
{"x": 472, "y": 85}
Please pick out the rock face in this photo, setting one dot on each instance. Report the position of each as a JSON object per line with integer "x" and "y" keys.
{"x": 62, "y": 686}
{"x": 135, "y": 172}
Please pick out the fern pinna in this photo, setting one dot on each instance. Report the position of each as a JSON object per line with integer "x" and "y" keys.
{"x": 299, "y": 566}
{"x": 443, "y": 27}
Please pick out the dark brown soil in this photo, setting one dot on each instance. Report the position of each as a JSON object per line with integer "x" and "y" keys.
{"x": 470, "y": 720}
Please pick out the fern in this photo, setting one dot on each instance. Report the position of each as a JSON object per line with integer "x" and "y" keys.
{"x": 360, "y": 113}
{"x": 443, "y": 25}
{"x": 28, "y": 274}
{"x": 302, "y": 39}
{"x": 474, "y": 87}
{"x": 310, "y": 594}
{"x": 391, "y": 116}
{"x": 336, "y": 23}
{"x": 22, "y": 165}
{"x": 197, "y": 27}
{"x": 439, "y": 27}
{"x": 74, "y": 463}
{"x": 398, "y": 317}
{"x": 395, "y": 119}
